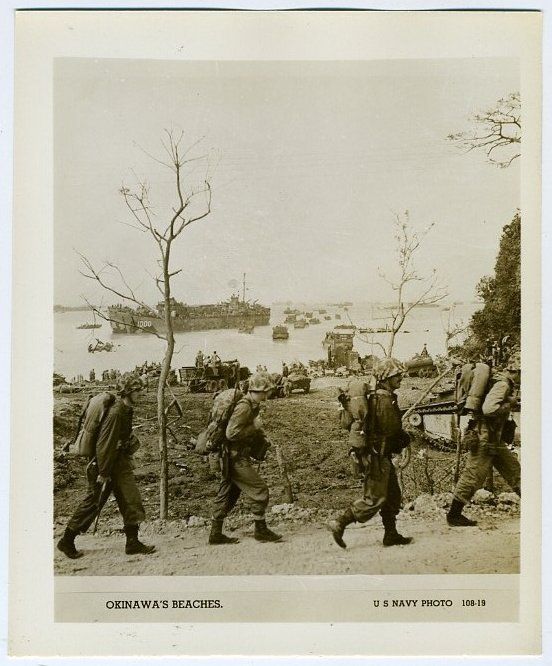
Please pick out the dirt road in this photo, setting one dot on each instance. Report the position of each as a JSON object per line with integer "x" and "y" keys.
{"x": 491, "y": 547}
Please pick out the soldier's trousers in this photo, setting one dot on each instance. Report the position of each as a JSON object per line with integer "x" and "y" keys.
{"x": 242, "y": 477}
{"x": 479, "y": 465}
{"x": 381, "y": 491}
{"x": 124, "y": 488}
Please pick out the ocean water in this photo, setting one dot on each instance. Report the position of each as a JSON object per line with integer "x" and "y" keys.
{"x": 71, "y": 356}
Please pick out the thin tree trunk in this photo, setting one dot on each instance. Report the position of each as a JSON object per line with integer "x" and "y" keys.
{"x": 391, "y": 343}
{"x": 161, "y": 415}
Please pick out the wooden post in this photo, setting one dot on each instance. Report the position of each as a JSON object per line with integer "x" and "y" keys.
{"x": 288, "y": 490}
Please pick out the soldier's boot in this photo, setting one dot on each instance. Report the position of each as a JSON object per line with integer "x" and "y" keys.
{"x": 391, "y": 537}
{"x": 133, "y": 545}
{"x": 263, "y": 533}
{"x": 455, "y": 518}
{"x": 337, "y": 527}
{"x": 216, "y": 535}
{"x": 67, "y": 545}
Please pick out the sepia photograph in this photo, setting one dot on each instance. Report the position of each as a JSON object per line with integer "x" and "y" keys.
{"x": 288, "y": 316}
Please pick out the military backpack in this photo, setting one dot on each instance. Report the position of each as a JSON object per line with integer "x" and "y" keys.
{"x": 213, "y": 437}
{"x": 92, "y": 416}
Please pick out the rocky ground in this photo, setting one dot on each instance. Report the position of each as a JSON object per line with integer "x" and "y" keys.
{"x": 315, "y": 449}
{"x": 308, "y": 548}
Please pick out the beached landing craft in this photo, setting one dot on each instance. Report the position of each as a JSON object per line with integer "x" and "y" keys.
{"x": 234, "y": 313}
{"x": 280, "y": 333}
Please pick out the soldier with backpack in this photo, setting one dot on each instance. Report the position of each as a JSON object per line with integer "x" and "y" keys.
{"x": 244, "y": 438}
{"x": 489, "y": 432}
{"x": 111, "y": 444}
{"x": 383, "y": 435}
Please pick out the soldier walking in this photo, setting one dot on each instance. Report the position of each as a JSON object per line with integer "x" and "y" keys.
{"x": 110, "y": 471}
{"x": 384, "y": 436}
{"x": 244, "y": 430}
{"x": 490, "y": 431}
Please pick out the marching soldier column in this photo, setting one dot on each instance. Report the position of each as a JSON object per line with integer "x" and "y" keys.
{"x": 374, "y": 421}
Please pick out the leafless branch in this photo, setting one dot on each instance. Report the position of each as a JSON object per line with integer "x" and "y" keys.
{"x": 93, "y": 274}
{"x": 105, "y": 317}
{"x": 500, "y": 129}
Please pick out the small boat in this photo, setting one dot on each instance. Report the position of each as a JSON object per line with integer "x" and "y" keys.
{"x": 88, "y": 326}
{"x": 280, "y": 333}
{"x": 290, "y": 318}
{"x": 100, "y": 346}
{"x": 338, "y": 316}
{"x": 327, "y": 317}
{"x": 299, "y": 323}
{"x": 322, "y": 312}
{"x": 314, "y": 320}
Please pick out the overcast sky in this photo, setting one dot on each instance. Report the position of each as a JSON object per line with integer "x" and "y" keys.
{"x": 313, "y": 159}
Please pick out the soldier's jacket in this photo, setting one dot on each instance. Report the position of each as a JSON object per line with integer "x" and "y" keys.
{"x": 241, "y": 429}
{"x": 113, "y": 437}
{"x": 389, "y": 422}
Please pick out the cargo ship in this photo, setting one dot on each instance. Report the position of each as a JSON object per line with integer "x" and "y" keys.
{"x": 235, "y": 313}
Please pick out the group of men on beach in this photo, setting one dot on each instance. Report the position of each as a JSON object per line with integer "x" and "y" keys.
{"x": 110, "y": 469}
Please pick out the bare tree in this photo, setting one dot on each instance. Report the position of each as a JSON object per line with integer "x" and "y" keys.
{"x": 496, "y": 131}
{"x": 452, "y": 328}
{"x": 191, "y": 205}
{"x": 408, "y": 242}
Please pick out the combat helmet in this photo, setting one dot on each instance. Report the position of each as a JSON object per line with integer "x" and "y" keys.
{"x": 129, "y": 383}
{"x": 388, "y": 367}
{"x": 260, "y": 382}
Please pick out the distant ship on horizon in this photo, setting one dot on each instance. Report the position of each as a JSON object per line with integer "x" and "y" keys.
{"x": 235, "y": 313}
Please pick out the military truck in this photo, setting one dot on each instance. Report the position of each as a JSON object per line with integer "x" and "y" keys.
{"x": 296, "y": 381}
{"x": 204, "y": 380}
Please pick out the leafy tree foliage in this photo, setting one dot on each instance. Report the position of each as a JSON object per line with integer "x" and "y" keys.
{"x": 501, "y": 295}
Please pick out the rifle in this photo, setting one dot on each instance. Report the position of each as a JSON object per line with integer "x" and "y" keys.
{"x": 100, "y": 505}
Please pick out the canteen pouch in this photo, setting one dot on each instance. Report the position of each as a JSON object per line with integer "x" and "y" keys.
{"x": 509, "y": 431}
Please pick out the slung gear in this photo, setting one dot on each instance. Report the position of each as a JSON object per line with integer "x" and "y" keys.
{"x": 213, "y": 437}
{"x": 388, "y": 367}
{"x": 260, "y": 382}
{"x": 514, "y": 362}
